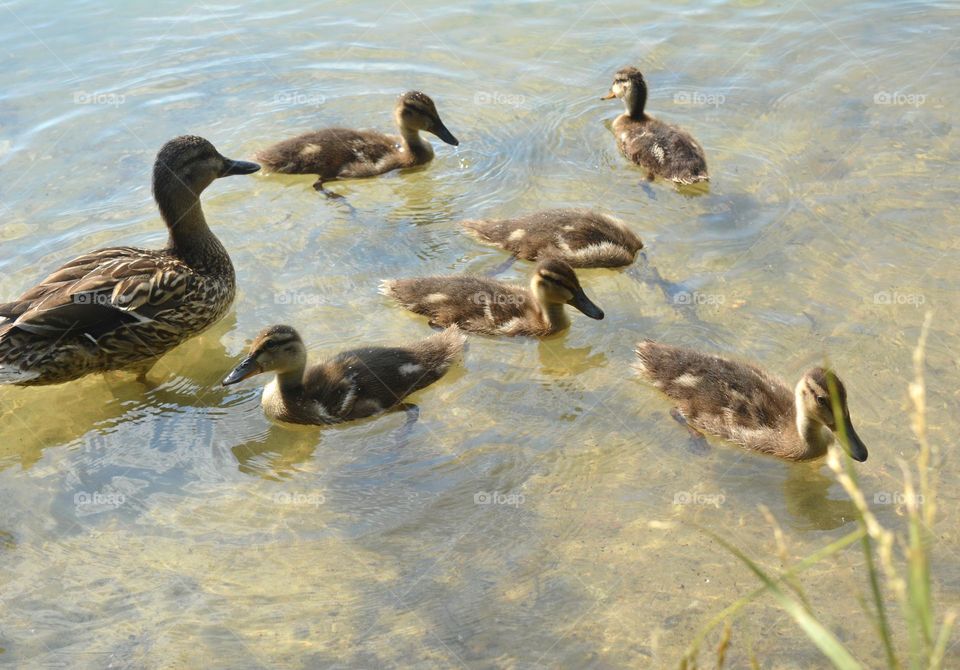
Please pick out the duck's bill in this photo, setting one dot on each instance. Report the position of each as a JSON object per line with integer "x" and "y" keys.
{"x": 232, "y": 167}
{"x": 609, "y": 96}
{"x": 247, "y": 368}
{"x": 441, "y": 131}
{"x": 856, "y": 447}
{"x": 585, "y": 305}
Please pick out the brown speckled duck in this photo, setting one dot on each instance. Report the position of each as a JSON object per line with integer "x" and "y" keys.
{"x": 582, "y": 238}
{"x": 663, "y": 150}
{"x": 122, "y": 307}
{"x": 743, "y": 404}
{"x": 351, "y": 385}
{"x": 343, "y": 153}
{"x": 484, "y": 305}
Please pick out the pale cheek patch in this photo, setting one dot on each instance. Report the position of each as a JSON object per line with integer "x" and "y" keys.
{"x": 410, "y": 368}
{"x": 436, "y": 297}
{"x": 518, "y": 234}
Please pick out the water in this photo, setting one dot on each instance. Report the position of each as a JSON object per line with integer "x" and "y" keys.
{"x": 177, "y": 527}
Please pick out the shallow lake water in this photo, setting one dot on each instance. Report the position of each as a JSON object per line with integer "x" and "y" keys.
{"x": 545, "y": 510}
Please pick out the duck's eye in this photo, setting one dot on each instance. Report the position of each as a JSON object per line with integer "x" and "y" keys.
{"x": 822, "y": 401}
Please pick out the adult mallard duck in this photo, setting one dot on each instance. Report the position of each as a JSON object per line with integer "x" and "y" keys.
{"x": 487, "y": 306}
{"x": 124, "y": 307}
{"x": 661, "y": 149}
{"x": 743, "y": 404}
{"x": 580, "y": 237}
{"x": 351, "y": 385}
{"x": 343, "y": 153}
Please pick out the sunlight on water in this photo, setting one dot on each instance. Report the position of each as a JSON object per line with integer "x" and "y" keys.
{"x": 544, "y": 510}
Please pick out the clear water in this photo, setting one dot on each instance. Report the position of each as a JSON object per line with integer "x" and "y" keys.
{"x": 176, "y": 527}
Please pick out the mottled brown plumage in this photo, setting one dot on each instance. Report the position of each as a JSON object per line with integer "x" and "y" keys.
{"x": 342, "y": 153}
{"x": 742, "y": 403}
{"x": 581, "y": 237}
{"x": 663, "y": 150}
{"x": 487, "y": 306}
{"x": 351, "y": 385}
{"x": 124, "y": 307}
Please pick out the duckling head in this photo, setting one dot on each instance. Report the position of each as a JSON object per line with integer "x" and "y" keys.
{"x": 276, "y": 349}
{"x": 629, "y": 86}
{"x": 555, "y": 283}
{"x": 816, "y": 395}
{"x": 415, "y": 111}
{"x": 186, "y": 165}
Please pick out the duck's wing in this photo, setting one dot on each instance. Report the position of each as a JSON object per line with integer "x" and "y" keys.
{"x": 473, "y": 303}
{"x": 666, "y": 150}
{"x": 99, "y": 292}
{"x": 713, "y": 391}
{"x": 365, "y": 381}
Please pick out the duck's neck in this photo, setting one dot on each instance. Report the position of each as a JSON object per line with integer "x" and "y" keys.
{"x": 191, "y": 239}
{"x": 418, "y": 147}
{"x": 814, "y": 437}
{"x": 285, "y": 393}
{"x": 635, "y": 101}
{"x": 555, "y": 316}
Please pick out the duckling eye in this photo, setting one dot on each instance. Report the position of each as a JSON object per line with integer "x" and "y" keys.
{"x": 821, "y": 401}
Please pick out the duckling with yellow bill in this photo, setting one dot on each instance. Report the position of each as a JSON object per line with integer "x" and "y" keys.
{"x": 344, "y": 153}
{"x": 484, "y": 305}
{"x": 741, "y": 403}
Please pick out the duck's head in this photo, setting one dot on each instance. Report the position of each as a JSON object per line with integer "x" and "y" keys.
{"x": 629, "y": 86}
{"x": 276, "y": 349}
{"x": 188, "y": 164}
{"x": 822, "y": 397}
{"x": 555, "y": 283}
{"x": 415, "y": 111}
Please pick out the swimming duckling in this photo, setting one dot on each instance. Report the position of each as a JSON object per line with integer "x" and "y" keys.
{"x": 351, "y": 385}
{"x": 487, "y": 306}
{"x": 663, "y": 150}
{"x": 123, "y": 307}
{"x": 581, "y": 237}
{"x": 343, "y": 153}
{"x": 743, "y": 404}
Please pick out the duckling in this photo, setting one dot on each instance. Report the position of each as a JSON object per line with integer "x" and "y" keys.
{"x": 487, "y": 306}
{"x": 122, "y": 307}
{"x": 580, "y": 237}
{"x": 351, "y": 385}
{"x": 743, "y": 404}
{"x": 663, "y": 150}
{"x": 342, "y": 153}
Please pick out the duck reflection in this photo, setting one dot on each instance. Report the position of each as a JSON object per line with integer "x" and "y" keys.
{"x": 806, "y": 493}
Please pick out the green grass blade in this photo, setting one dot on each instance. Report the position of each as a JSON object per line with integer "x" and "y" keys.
{"x": 825, "y": 641}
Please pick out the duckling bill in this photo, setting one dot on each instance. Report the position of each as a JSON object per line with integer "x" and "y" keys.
{"x": 343, "y": 153}
{"x": 663, "y": 150}
{"x": 484, "y": 305}
{"x": 745, "y": 405}
{"x": 351, "y": 385}
{"x": 121, "y": 307}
